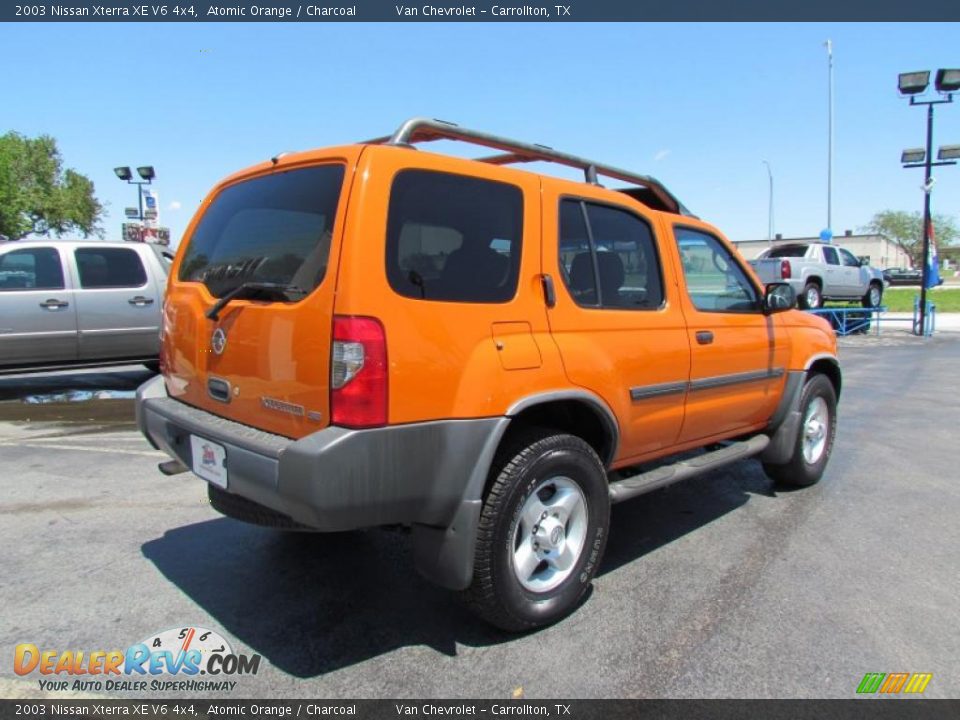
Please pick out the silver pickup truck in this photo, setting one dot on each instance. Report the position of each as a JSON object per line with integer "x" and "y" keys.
{"x": 818, "y": 272}
{"x": 73, "y": 304}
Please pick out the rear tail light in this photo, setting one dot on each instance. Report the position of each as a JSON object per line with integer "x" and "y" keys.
{"x": 784, "y": 269}
{"x": 358, "y": 372}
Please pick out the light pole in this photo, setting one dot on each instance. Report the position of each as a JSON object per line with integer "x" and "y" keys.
{"x": 829, "y": 46}
{"x": 912, "y": 84}
{"x": 147, "y": 173}
{"x": 770, "y": 205}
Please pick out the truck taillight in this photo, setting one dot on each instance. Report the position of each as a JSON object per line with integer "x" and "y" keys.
{"x": 358, "y": 372}
{"x": 784, "y": 269}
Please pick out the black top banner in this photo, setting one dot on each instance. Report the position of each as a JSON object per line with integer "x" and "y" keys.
{"x": 68, "y": 709}
{"x": 187, "y": 11}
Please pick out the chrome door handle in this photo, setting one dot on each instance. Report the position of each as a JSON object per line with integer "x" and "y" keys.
{"x": 140, "y": 300}
{"x": 54, "y": 304}
{"x": 704, "y": 337}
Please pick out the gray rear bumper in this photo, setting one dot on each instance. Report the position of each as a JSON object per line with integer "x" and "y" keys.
{"x": 427, "y": 474}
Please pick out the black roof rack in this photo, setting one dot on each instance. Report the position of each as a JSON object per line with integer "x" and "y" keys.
{"x": 420, "y": 129}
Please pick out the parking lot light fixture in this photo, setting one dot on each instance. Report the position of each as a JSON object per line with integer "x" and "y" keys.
{"x": 913, "y": 155}
{"x": 144, "y": 171}
{"x": 948, "y": 80}
{"x": 949, "y": 152}
{"x": 913, "y": 83}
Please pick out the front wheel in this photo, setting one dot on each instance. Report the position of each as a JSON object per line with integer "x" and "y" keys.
{"x": 542, "y": 532}
{"x": 818, "y": 428}
{"x": 873, "y": 297}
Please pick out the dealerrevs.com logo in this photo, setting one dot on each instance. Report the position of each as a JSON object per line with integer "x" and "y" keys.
{"x": 169, "y": 661}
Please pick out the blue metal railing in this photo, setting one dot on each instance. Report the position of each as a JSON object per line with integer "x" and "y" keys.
{"x": 851, "y": 320}
{"x": 858, "y": 320}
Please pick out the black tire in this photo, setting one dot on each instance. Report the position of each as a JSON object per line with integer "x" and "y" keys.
{"x": 798, "y": 472}
{"x": 811, "y": 298}
{"x": 533, "y": 459}
{"x": 874, "y": 296}
{"x": 239, "y": 508}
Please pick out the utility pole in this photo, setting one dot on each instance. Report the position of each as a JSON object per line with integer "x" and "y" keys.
{"x": 829, "y": 46}
{"x": 770, "y": 204}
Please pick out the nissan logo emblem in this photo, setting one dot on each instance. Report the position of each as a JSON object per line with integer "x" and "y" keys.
{"x": 219, "y": 341}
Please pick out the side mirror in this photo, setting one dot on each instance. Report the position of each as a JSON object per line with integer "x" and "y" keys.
{"x": 779, "y": 297}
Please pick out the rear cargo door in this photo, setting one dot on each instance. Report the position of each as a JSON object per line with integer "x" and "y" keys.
{"x": 263, "y": 248}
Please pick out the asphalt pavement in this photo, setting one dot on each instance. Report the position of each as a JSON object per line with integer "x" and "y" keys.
{"x": 721, "y": 586}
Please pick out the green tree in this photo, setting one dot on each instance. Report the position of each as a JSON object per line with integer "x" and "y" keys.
{"x": 906, "y": 230}
{"x": 39, "y": 197}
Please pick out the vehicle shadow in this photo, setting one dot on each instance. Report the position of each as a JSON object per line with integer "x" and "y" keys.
{"x": 72, "y": 386}
{"x": 314, "y": 603}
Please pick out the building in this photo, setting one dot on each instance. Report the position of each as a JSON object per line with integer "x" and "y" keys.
{"x": 881, "y": 252}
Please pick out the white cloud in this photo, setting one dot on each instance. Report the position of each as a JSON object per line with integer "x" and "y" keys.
{"x": 175, "y": 205}
{"x": 661, "y": 155}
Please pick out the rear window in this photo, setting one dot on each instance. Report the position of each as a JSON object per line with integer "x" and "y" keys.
{"x": 453, "y": 238}
{"x": 797, "y": 251}
{"x": 31, "y": 269}
{"x": 272, "y": 229}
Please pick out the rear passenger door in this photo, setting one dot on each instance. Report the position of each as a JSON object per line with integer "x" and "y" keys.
{"x": 835, "y": 283}
{"x": 118, "y": 307}
{"x": 739, "y": 354}
{"x": 617, "y": 324}
{"x": 38, "y": 320}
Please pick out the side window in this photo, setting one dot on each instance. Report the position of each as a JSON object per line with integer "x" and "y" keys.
{"x": 715, "y": 282}
{"x": 830, "y": 255}
{"x": 848, "y": 259}
{"x": 453, "y": 238}
{"x": 608, "y": 257}
{"x": 31, "y": 269}
{"x": 110, "y": 268}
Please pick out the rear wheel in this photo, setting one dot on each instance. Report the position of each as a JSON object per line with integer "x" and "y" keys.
{"x": 873, "y": 297}
{"x": 542, "y": 532}
{"x": 811, "y": 299}
{"x": 818, "y": 428}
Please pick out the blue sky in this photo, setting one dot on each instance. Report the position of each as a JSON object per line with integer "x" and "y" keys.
{"x": 699, "y": 106}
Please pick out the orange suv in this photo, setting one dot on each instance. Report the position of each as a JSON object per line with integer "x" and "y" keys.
{"x": 370, "y": 335}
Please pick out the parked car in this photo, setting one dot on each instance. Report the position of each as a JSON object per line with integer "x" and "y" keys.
{"x": 371, "y": 335}
{"x": 66, "y": 304}
{"x": 820, "y": 271}
{"x": 902, "y": 276}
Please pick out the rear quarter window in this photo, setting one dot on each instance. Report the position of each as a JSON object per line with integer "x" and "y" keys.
{"x": 453, "y": 238}
{"x": 273, "y": 229}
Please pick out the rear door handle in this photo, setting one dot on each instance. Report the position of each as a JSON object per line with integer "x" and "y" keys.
{"x": 54, "y": 304}
{"x": 704, "y": 337}
{"x": 140, "y": 300}
{"x": 549, "y": 291}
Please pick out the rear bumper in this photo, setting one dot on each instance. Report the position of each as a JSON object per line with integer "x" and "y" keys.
{"x": 337, "y": 479}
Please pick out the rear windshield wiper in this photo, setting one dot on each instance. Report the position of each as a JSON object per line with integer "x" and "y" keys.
{"x": 273, "y": 291}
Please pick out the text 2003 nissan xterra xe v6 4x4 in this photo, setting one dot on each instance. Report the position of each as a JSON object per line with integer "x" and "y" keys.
{"x": 371, "y": 335}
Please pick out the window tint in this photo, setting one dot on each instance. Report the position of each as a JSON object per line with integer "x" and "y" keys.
{"x": 615, "y": 252}
{"x": 797, "y": 251}
{"x": 271, "y": 229}
{"x": 109, "y": 268}
{"x": 715, "y": 282}
{"x": 830, "y": 255}
{"x": 848, "y": 259}
{"x": 453, "y": 238}
{"x": 31, "y": 269}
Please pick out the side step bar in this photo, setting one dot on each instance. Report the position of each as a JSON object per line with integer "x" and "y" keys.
{"x": 630, "y": 487}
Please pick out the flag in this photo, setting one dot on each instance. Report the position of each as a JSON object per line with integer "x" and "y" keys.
{"x": 933, "y": 262}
